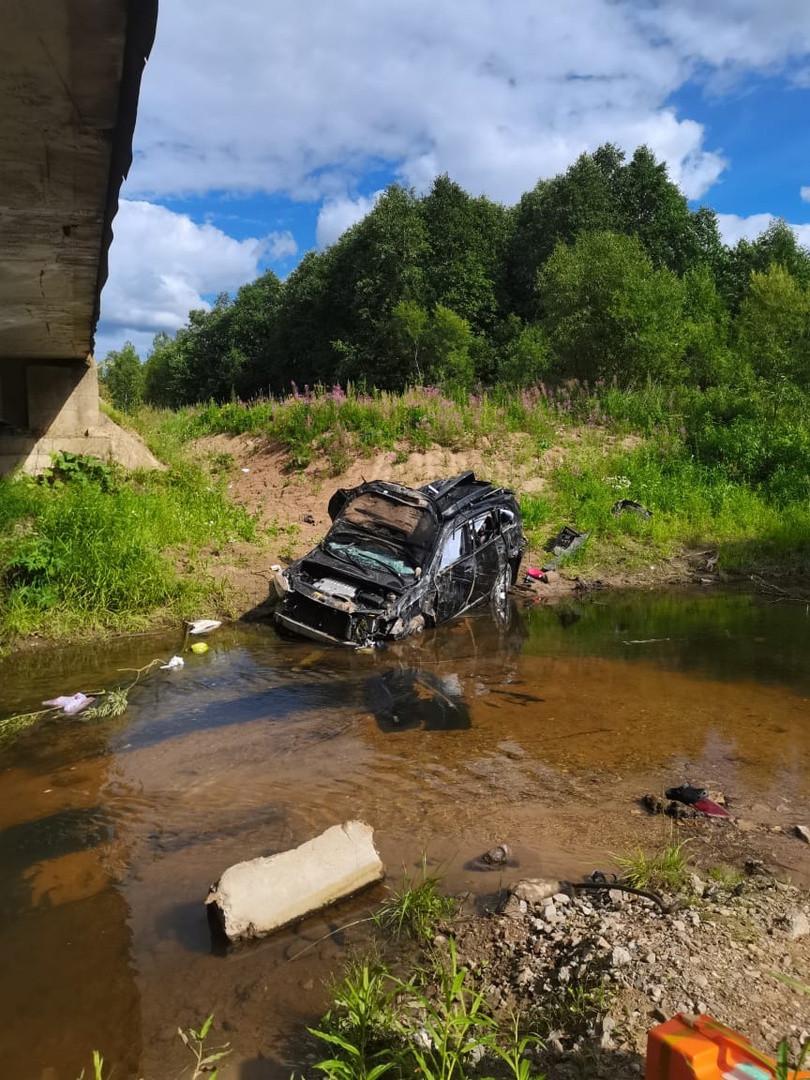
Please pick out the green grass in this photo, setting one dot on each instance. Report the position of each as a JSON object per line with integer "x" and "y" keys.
{"x": 435, "y": 1024}
{"x": 725, "y": 876}
{"x": 86, "y": 556}
{"x": 571, "y": 1009}
{"x": 719, "y": 469}
{"x": 205, "y": 1057}
{"x": 665, "y": 868}
{"x": 716, "y": 468}
{"x": 416, "y": 910}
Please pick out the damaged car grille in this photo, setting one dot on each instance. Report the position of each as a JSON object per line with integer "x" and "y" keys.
{"x": 319, "y": 617}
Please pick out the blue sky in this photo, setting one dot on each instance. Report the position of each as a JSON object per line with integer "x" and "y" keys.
{"x": 265, "y": 131}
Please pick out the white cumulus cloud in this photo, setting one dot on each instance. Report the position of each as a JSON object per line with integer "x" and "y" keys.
{"x": 304, "y": 103}
{"x": 805, "y": 194}
{"x": 734, "y": 228}
{"x": 163, "y": 264}
{"x": 280, "y": 245}
{"x": 339, "y": 214}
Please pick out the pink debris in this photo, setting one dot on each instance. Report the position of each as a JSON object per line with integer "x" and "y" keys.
{"x": 70, "y": 705}
{"x": 536, "y": 575}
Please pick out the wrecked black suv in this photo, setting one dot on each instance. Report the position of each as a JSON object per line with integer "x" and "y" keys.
{"x": 396, "y": 560}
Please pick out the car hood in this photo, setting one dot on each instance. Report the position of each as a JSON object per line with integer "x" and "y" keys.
{"x": 319, "y": 567}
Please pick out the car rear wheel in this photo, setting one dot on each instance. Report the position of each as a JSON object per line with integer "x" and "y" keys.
{"x": 500, "y": 590}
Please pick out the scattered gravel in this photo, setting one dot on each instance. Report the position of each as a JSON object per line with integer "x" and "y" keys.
{"x": 638, "y": 966}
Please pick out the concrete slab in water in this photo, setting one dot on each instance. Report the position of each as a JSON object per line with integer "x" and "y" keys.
{"x": 256, "y": 897}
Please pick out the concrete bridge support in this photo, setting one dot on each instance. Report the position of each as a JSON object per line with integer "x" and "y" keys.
{"x": 70, "y": 75}
{"x": 46, "y": 407}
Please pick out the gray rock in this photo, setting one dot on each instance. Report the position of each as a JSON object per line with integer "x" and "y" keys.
{"x": 620, "y": 956}
{"x": 535, "y": 890}
{"x": 802, "y": 832}
{"x": 798, "y": 925}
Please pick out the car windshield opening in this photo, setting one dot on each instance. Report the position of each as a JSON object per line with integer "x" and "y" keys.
{"x": 371, "y": 554}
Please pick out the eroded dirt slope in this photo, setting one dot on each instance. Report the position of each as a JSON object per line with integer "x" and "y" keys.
{"x": 291, "y": 502}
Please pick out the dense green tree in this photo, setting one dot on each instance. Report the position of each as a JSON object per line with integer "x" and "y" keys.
{"x": 773, "y": 327}
{"x": 334, "y": 312}
{"x": 604, "y": 270}
{"x": 158, "y": 389}
{"x": 466, "y": 239}
{"x": 609, "y": 312}
{"x": 121, "y": 373}
{"x": 602, "y": 193}
{"x": 655, "y": 210}
{"x": 436, "y": 346}
{"x": 206, "y": 366}
{"x": 451, "y": 341}
{"x": 523, "y": 354}
{"x": 559, "y": 210}
{"x": 310, "y": 316}
{"x": 411, "y": 327}
{"x": 706, "y": 325}
{"x": 252, "y": 317}
{"x": 777, "y": 245}
{"x": 376, "y": 264}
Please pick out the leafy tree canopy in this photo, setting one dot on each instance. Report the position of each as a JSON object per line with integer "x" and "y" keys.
{"x": 122, "y": 375}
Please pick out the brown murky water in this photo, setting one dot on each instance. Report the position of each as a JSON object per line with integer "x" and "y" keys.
{"x": 542, "y": 734}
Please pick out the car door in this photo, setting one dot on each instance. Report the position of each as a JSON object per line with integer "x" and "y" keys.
{"x": 455, "y": 573}
{"x": 487, "y": 544}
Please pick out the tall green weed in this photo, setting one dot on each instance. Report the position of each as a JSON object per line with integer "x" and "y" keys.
{"x": 91, "y": 555}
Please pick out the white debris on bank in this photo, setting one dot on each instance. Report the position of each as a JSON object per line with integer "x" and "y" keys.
{"x": 203, "y": 626}
{"x": 255, "y": 898}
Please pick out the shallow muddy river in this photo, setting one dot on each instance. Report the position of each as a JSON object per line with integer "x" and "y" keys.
{"x": 543, "y": 735}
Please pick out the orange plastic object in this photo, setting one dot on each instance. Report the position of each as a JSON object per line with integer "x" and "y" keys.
{"x": 700, "y": 1048}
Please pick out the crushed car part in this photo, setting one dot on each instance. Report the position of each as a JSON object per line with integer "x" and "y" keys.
{"x": 630, "y": 506}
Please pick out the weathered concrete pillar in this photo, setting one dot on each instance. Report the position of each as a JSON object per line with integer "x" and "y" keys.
{"x": 62, "y": 398}
{"x": 49, "y": 407}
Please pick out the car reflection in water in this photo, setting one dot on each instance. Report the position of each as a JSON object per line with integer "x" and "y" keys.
{"x": 433, "y": 678}
{"x": 411, "y": 698}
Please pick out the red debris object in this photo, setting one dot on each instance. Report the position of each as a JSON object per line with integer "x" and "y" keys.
{"x": 713, "y": 809}
{"x": 536, "y": 575}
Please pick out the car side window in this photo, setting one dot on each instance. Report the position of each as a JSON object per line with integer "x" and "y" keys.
{"x": 452, "y": 548}
{"x": 484, "y": 529}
